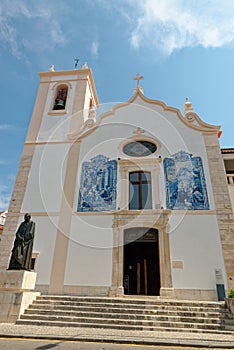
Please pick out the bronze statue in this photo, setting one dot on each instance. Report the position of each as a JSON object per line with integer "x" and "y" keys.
{"x": 23, "y": 245}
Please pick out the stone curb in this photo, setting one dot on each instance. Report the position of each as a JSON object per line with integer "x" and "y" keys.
{"x": 143, "y": 341}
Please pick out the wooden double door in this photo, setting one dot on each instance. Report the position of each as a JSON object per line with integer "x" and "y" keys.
{"x": 141, "y": 262}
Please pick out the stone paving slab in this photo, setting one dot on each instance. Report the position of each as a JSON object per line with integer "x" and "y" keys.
{"x": 213, "y": 340}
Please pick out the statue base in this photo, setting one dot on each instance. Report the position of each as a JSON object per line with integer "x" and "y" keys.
{"x": 16, "y": 293}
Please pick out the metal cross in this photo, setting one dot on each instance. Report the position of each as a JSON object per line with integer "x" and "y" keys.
{"x": 138, "y": 78}
{"x": 76, "y": 62}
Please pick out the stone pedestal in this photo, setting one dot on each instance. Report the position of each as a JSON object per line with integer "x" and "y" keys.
{"x": 16, "y": 293}
{"x": 229, "y": 302}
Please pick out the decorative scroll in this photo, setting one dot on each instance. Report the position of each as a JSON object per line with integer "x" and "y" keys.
{"x": 185, "y": 182}
{"x": 98, "y": 185}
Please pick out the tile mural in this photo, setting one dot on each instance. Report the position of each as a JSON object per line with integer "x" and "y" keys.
{"x": 98, "y": 185}
{"x": 185, "y": 182}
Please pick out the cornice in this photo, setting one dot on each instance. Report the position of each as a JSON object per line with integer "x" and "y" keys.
{"x": 75, "y": 72}
{"x": 191, "y": 119}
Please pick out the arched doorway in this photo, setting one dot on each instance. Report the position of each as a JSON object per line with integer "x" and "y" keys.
{"x": 141, "y": 262}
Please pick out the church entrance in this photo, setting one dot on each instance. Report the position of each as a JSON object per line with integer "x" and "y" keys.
{"x": 141, "y": 262}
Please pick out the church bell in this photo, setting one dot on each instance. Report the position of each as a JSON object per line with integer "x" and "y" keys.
{"x": 60, "y": 105}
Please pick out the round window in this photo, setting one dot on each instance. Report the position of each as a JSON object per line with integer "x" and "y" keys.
{"x": 139, "y": 148}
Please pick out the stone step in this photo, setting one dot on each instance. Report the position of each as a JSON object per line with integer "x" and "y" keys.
{"x": 138, "y": 322}
{"x": 117, "y": 326}
{"x": 70, "y": 308}
{"x": 126, "y": 301}
{"x": 123, "y": 315}
{"x": 153, "y": 326}
{"x": 229, "y": 328}
{"x": 135, "y": 306}
{"x": 129, "y": 313}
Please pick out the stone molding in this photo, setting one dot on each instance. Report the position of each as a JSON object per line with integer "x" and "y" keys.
{"x": 191, "y": 120}
{"x": 188, "y": 294}
{"x": 126, "y": 166}
{"x": 14, "y": 211}
{"x": 223, "y": 205}
{"x": 63, "y": 231}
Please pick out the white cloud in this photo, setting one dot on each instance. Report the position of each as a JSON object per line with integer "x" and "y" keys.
{"x": 5, "y": 126}
{"x": 11, "y": 178}
{"x": 94, "y": 48}
{"x": 7, "y": 162}
{"x": 29, "y": 25}
{"x": 5, "y": 197}
{"x": 4, "y": 202}
{"x": 170, "y": 25}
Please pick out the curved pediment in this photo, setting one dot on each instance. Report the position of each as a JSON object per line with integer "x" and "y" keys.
{"x": 190, "y": 119}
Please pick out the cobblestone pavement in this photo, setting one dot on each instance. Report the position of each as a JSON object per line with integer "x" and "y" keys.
{"x": 211, "y": 340}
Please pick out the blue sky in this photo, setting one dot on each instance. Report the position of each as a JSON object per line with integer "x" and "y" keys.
{"x": 183, "y": 48}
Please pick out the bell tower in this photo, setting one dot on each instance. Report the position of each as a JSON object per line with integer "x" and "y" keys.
{"x": 47, "y": 171}
{"x": 62, "y": 95}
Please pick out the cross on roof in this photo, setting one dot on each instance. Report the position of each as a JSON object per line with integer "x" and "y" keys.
{"x": 138, "y": 78}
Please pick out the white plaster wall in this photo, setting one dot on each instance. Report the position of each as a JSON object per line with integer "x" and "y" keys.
{"x": 46, "y": 177}
{"x": 164, "y": 126}
{"x": 89, "y": 259}
{"x": 44, "y": 243}
{"x": 54, "y": 128}
{"x": 194, "y": 240}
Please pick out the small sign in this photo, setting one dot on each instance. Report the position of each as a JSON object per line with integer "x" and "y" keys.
{"x": 219, "y": 284}
{"x": 218, "y": 276}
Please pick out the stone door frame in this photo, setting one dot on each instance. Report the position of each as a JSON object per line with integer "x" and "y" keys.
{"x": 156, "y": 219}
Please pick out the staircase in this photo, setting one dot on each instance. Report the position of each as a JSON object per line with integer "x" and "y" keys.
{"x": 129, "y": 314}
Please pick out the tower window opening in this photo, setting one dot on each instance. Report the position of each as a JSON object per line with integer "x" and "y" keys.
{"x": 60, "y": 99}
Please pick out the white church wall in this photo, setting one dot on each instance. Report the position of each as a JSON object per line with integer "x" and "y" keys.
{"x": 54, "y": 128}
{"x": 174, "y": 136}
{"x": 89, "y": 261}
{"x": 164, "y": 126}
{"x": 194, "y": 241}
{"x": 46, "y": 178}
{"x": 44, "y": 243}
{"x": 195, "y": 248}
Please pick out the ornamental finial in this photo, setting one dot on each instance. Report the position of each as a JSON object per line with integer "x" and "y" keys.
{"x": 188, "y": 107}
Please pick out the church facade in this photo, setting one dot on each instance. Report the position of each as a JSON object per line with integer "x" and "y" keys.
{"x": 133, "y": 201}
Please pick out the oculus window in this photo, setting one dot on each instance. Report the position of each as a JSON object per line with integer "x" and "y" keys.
{"x": 140, "y": 190}
{"x": 139, "y": 148}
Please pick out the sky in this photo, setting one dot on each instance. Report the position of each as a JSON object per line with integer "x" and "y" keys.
{"x": 182, "y": 48}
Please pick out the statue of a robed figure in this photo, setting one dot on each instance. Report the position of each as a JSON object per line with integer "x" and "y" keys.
{"x": 23, "y": 245}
